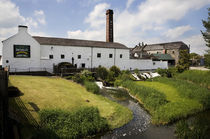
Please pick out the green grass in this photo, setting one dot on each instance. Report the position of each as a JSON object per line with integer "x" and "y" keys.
{"x": 196, "y": 76}
{"x": 58, "y": 93}
{"x": 174, "y": 98}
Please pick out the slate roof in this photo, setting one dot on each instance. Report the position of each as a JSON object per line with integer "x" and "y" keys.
{"x": 77, "y": 42}
{"x": 169, "y": 45}
{"x": 163, "y": 56}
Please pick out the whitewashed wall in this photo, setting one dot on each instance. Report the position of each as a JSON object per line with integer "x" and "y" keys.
{"x": 21, "y": 38}
{"x": 40, "y": 60}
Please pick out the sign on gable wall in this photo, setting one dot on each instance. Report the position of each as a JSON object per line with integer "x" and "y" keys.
{"x": 22, "y": 51}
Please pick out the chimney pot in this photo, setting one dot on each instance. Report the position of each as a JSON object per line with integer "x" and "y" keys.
{"x": 22, "y": 28}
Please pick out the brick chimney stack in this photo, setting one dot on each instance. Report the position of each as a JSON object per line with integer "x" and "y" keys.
{"x": 109, "y": 26}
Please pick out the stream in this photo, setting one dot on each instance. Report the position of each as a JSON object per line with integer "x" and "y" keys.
{"x": 139, "y": 126}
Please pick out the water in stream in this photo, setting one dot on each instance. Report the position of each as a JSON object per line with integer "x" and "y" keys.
{"x": 139, "y": 126}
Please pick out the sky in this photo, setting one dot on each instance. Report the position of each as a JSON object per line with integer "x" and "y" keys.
{"x": 148, "y": 21}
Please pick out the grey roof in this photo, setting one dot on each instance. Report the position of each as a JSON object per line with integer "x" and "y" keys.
{"x": 76, "y": 42}
{"x": 163, "y": 56}
{"x": 169, "y": 45}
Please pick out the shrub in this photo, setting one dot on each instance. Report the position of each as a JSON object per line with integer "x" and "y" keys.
{"x": 83, "y": 122}
{"x": 115, "y": 70}
{"x": 83, "y": 76}
{"x": 78, "y": 78}
{"x": 167, "y": 72}
{"x": 101, "y": 72}
{"x": 117, "y": 83}
{"x": 110, "y": 78}
{"x": 92, "y": 87}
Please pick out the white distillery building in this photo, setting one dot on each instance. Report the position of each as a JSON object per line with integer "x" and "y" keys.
{"x": 23, "y": 52}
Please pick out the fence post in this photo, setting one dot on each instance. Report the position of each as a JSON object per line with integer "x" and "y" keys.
{"x": 4, "y": 103}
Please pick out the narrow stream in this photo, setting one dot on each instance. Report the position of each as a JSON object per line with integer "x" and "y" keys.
{"x": 139, "y": 126}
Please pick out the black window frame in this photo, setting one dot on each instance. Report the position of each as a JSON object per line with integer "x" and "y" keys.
{"x": 62, "y": 56}
{"x": 110, "y": 55}
{"x": 98, "y": 55}
{"x": 83, "y": 65}
{"x": 51, "y": 56}
{"x": 79, "y": 56}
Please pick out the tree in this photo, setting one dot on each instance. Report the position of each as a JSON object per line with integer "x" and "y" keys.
{"x": 195, "y": 59}
{"x": 207, "y": 59}
{"x": 116, "y": 71}
{"x": 184, "y": 61}
{"x": 206, "y": 36}
{"x": 102, "y": 73}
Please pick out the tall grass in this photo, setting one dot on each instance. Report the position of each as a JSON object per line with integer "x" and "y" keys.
{"x": 169, "y": 99}
{"x": 189, "y": 90}
{"x": 196, "y": 76}
{"x": 151, "y": 98}
{"x": 81, "y": 123}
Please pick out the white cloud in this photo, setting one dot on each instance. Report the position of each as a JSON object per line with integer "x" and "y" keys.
{"x": 97, "y": 16}
{"x": 40, "y": 16}
{"x": 132, "y": 27}
{"x": 197, "y": 44}
{"x": 176, "y": 32}
{"x": 129, "y": 2}
{"x": 87, "y": 34}
{"x": 10, "y": 18}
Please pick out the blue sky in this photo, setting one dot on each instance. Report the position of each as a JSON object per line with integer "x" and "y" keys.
{"x": 149, "y": 21}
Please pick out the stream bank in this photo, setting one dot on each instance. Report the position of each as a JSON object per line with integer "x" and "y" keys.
{"x": 139, "y": 126}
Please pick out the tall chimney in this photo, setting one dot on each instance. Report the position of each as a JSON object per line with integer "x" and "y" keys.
{"x": 109, "y": 26}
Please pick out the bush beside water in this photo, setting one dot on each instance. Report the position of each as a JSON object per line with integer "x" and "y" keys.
{"x": 92, "y": 87}
{"x": 83, "y": 122}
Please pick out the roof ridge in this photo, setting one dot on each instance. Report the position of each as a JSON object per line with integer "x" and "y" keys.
{"x": 77, "y": 42}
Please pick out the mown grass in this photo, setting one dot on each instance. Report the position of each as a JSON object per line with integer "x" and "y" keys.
{"x": 196, "y": 76}
{"x": 58, "y": 93}
{"x": 169, "y": 99}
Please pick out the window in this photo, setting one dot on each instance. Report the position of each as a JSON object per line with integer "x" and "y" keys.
{"x": 62, "y": 56}
{"x": 110, "y": 55}
{"x": 120, "y": 55}
{"x": 83, "y": 65}
{"x": 7, "y": 61}
{"x": 172, "y": 52}
{"x": 51, "y": 56}
{"x": 79, "y": 56}
{"x": 98, "y": 55}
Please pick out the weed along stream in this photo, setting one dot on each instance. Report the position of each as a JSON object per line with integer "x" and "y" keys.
{"x": 139, "y": 126}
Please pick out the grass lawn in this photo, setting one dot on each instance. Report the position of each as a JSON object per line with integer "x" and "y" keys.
{"x": 58, "y": 93}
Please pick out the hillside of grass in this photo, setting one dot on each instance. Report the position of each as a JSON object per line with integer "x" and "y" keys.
{"x": 57, "y": 93}
{"x": 169, "y": 99}
{"x": 196, "y": 76}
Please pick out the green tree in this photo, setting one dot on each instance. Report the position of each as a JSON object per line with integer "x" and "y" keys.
{"x": 207, "y": 59}
{"x": 102, "y": 73}
{"x": 184, "y": 61}
{"x": 206, "y": 34}
{"x": 195, "y": 59}
{"x": 116, "y": 71}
